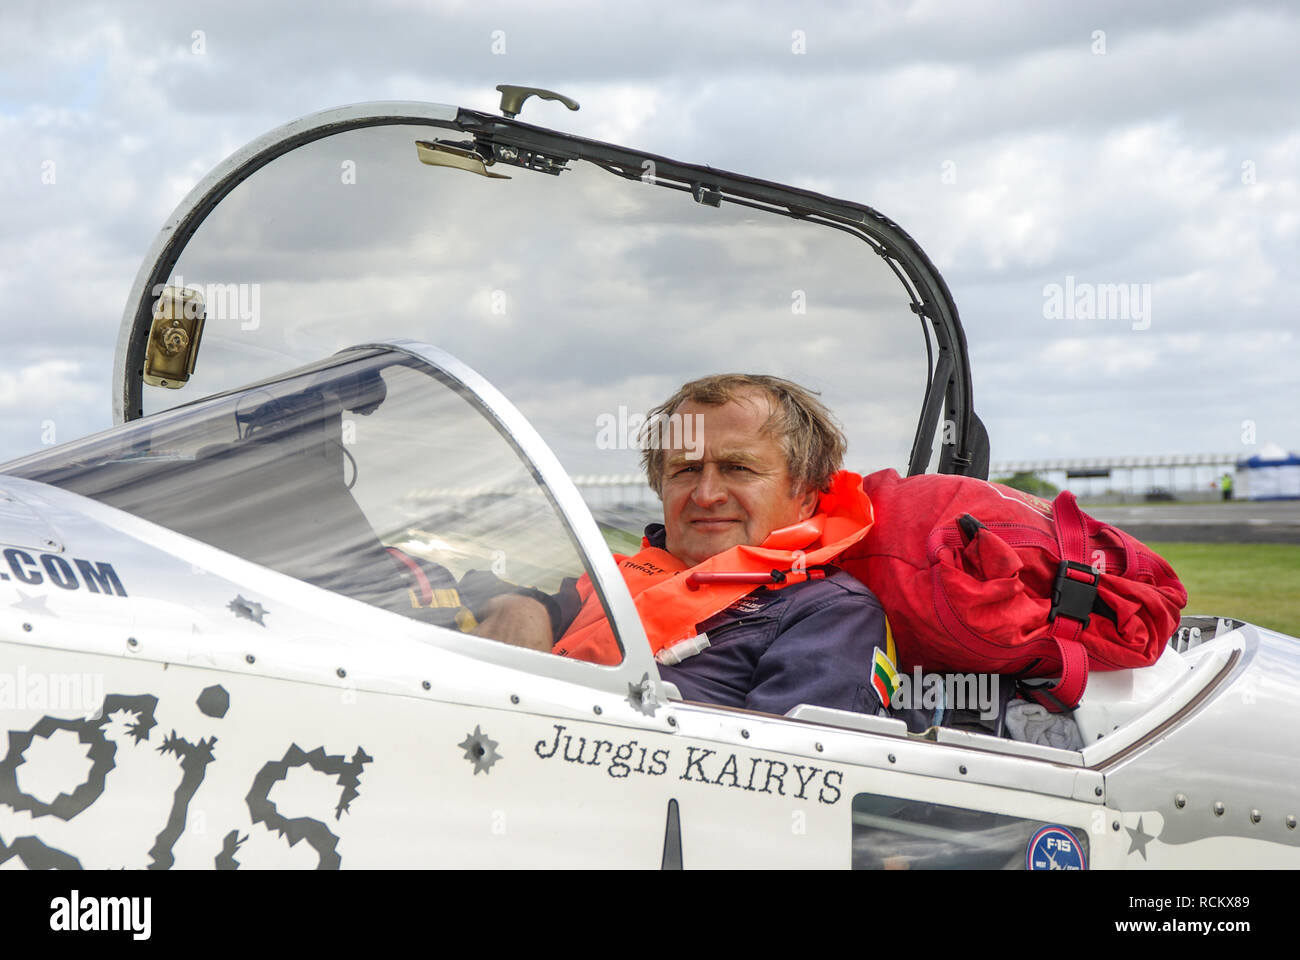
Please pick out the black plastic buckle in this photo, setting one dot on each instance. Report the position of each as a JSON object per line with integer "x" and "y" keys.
{"x": 1074, "y": 598}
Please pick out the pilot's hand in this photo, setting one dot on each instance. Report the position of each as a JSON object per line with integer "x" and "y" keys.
{"x": 517, "y": 620}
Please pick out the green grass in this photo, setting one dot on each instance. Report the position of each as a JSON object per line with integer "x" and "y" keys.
{"x": 1256, "y": 582}
{"x": 621, "y": 541}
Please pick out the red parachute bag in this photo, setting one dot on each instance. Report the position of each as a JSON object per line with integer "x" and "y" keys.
{"x": 979, "y": 577}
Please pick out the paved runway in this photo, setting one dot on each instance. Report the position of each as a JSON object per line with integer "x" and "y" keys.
{"x": 1268, "y": 521}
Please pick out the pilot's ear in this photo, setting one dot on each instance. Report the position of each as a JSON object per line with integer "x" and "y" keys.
{"x": 808, "y": 506}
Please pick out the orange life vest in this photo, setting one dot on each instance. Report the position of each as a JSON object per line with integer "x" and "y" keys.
{"x": 671, "y": 607}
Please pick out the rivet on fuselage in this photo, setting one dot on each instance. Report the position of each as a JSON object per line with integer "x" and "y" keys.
{"x": 1180, "y": 801}
{"x": 1218, "y": 808}
{"x": 1255, "y": 817}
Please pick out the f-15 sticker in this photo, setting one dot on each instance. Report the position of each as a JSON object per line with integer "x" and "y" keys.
{"x": 1055, "y": 848}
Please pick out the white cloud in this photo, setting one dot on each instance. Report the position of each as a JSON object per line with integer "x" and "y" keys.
{"x": 61, "y": 378}
{"x": 1125, "y": 167}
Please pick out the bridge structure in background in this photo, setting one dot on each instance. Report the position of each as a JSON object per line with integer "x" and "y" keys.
{"x": 1180, "y": 475}
{"x": 616, "y": 490}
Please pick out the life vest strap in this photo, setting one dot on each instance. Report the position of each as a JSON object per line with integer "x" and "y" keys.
{"x": 695, "y": 580}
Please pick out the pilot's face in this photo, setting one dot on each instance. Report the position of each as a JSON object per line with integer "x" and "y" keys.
{"x": 735, "y": 489}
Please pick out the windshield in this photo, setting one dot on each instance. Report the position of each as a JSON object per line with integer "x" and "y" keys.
{"x": 369, "y": 474}
{"x": 586, "y": 298}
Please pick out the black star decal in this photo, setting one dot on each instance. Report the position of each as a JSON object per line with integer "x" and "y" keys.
{"x": 248, "y": 609}
{"x": 640, "y": 696}
{"x": 1138, "y": 839}
{"x": 481, "y": 749}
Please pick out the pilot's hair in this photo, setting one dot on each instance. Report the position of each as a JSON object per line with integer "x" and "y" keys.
{"x": 808, "y": 433}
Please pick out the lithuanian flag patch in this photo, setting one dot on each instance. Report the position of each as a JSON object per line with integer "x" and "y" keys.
{"x": 884, "y": 677}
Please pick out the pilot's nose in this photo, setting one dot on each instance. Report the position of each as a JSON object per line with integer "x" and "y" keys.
{"x": 709, "y": 489}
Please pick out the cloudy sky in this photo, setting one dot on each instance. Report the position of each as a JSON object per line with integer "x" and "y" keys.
{"x": 1032, "y": 149}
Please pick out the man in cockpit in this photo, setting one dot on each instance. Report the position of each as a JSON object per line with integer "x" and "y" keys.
{"x": 741, "y": 602}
